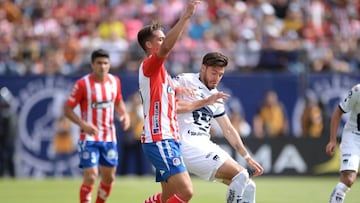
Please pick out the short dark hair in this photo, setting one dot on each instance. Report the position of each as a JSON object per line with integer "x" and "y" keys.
{"x": 99, "y": 53}
{"x": 215, "y": 59}
{"x": 146, "y": 33}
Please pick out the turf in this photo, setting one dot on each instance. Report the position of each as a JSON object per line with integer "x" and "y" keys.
{"x": 136, "y": 189}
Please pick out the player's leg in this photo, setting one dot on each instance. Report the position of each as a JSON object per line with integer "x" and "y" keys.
{"x": 239, "y": 177}
{"x": 155, "y": 198}
{"x": 249, "y": 192}
{"x": 167, "y": 159}
{"x": 210, "y": 162}
{"x": 108, "y": 162}
{"x": 179, "y": 188}
{"x": 89, "y": 177}
{"x": 348, "y": 168}
{"x": 347, "y": 178}
{"x": 89, "y": 156}
{"x": 106, "y": 183}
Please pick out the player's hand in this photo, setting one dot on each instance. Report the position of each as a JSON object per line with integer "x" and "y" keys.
{"x": 256, "y": 168}
{"x": 89, "y": 128}
{"x": 184, "y": 92}
{"x": 125, "y": 121}
{"x": 217, "y": 98}
{"x": 330, "y": 148}
{"x": 191, "y": 8}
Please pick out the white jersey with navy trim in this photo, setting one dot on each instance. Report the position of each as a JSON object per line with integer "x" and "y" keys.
{"x": 350, "y": 141}
{"x": 197, "y": 123}
{"x": 352, "y": 104}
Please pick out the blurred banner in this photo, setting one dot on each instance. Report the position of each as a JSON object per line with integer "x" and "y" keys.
{"x": 289, "y": 155}
{"x": 38, "y": 101}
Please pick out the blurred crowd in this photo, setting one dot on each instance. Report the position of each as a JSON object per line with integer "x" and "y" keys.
{"x": 56, "y": 36}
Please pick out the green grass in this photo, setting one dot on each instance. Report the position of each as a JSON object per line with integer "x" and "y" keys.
{"x": 136, "y": 189}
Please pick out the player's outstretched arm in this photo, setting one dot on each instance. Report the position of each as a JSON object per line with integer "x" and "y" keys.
{"x": 233, "y": 137}
{"x": 175, "y": 32}
{"x": 189, "y": 106}
{"x": 334, "y": 125}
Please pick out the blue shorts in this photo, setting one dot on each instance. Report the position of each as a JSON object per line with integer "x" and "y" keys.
{"x": 166, "y": 157}
{"x": 97, "y": 153}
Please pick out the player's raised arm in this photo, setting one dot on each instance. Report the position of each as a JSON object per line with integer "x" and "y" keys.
{"x": 188, "y": 106}
{"x": 175, "y": 32}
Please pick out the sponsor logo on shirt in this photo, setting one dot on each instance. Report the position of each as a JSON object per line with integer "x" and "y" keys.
{"x": 101, "y": 105}
{"x": 155, "y": 119}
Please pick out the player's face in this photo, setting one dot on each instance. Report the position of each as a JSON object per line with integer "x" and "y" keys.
{"x": 156, "y": 40}
{"x": 100, "y": 67}
{"x": 211, "y": 75}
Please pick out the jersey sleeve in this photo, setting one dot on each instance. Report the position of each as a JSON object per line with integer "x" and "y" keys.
{"x": 76, "y": 94}
{"x": 220, "y": 109}
{"x": 348, "y": 104}
{"x": 179, "y": 80}
{"x": 152, "y": 65}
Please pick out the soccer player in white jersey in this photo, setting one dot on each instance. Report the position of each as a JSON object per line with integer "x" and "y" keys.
{"x": 98, "y": 94}
{"x": 350, "y": 143}
{"x": 203, "y": 157}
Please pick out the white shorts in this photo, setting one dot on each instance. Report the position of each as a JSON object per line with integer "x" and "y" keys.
{"x": 203, "y": 158}
{"x": 350, "y": 151}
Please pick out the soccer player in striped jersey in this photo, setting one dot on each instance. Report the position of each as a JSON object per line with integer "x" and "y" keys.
{"x": 160, "y": 140}
{"x": 99, "y": 95}
{"x": 203, "y": 157}
{"x": 350, "y": 143}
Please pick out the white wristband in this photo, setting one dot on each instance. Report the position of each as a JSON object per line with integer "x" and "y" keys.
{"x": 246, "y": 156}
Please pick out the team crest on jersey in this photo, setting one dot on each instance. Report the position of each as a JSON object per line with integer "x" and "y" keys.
{"x": 170, "y": 90}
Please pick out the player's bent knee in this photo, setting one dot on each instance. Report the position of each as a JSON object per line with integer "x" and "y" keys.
{"x": 240, "y": 180}
{"x": 348, "y": 177}
{"x": 187, "y": 193}
{"x": 243, "y": 175}
{"x": 90, "y": 179}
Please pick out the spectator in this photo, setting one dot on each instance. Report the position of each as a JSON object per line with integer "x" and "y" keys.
{"x": 282, "y": 28}
{"x": 271, "y": 119}
{"x": 312, "y": 119}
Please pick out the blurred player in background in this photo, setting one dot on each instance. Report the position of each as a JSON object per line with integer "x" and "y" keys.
{"x": 201, "y": 156}
{"x": 99, "y": 95}
{"x": 160, "y": 140}
{"x": 350, "y": 143}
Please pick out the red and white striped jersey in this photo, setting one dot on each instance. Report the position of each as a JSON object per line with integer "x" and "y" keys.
{"x": 97, "y": 101}
{"x": 159, "y": 102}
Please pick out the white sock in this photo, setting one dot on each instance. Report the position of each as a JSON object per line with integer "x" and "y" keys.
{"x": 249, "y": 192}
{"x": 237, "y": 187}
{"x": 339, "y": 192}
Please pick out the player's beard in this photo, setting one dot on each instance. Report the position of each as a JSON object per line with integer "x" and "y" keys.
{"x": 209, "y": 84}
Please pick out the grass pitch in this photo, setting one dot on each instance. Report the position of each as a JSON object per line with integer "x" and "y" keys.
{"x": 137, "y": 189}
